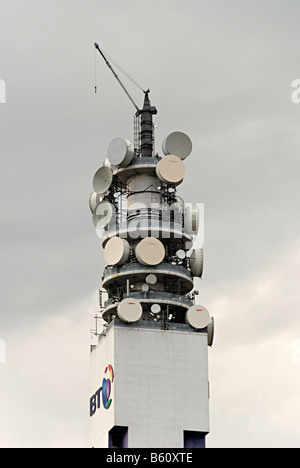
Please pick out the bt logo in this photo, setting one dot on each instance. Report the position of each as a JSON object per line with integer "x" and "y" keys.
{"x": 95, "y": 400}
{"x": 2, "y": 92}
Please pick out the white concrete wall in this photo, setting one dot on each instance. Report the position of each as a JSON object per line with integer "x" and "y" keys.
{"x": 160, "y": 387}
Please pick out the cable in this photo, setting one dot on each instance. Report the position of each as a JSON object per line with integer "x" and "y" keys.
{"x": 123, "y": 71}
{"x": 96, "y": 72}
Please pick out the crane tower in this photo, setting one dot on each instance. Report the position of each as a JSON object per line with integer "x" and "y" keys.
{"x": 149, "y": 369}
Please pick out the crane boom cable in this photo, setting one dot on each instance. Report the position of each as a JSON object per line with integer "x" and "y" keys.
{"x": 122, "y": 70}
{"x": 116, "y": 76}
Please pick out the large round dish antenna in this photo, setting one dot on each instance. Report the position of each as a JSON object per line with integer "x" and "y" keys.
{"x": 171, "y": 170}
{"x": 177, "y": 143}
{"x": 102, "y": 179}
{"x": 116, "y": 251}
{"x": 191, "y": 219}
{"x": 103, "y": 215}
{"x": 120, "y": 152}
{"x": 198, "y": 317}
{"x": 130, "y": 310}
{"x": 150, "y": 251}
{"x": 196, "y": 263}
{"x": 94, "y": 200}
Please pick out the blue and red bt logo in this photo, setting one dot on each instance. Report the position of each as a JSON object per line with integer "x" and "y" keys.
{"x": 105, "y": 390}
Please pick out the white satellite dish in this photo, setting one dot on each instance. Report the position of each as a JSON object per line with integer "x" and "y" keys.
{"x": 120, "y": 152}
{"x": 116, "y": 251}
{"x": 181, "y": 254}
{"x": 177, "y": 143}
{"x": 191, "y": 219}
{"x": 171, "y": 170}
{"x": 198, "y": 317}
{"x": 150, "y": 251}
{"x": 155, "y": 309}
{"x": 211, "y": 332}
{"x": 196, "y": 262}
{"x": 151, "y": 279}
{"x": 94, "y": 200}
{"x": 103, "y": 215}
{"x": 102, "y": 179}
{"x": 130, "y": 310}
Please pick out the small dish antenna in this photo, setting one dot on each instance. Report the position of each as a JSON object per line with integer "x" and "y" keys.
{"x": 181, "y": 254}
{"x": 151, "y": 279}
{"x": 155, "y": 309}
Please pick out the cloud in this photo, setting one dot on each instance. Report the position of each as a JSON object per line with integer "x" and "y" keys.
{"x": 45, "y": 381}
{"x": 220, "y": 72}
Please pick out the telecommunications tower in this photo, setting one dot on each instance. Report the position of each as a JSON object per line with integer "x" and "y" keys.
{"x": 149, "y": 369}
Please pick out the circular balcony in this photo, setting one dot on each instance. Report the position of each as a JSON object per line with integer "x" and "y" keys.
{"x": 141, "y": 228}
{"x": 116, "y": 277}
{"x": 177, "y": 305}
{"x": 138, "y": 166}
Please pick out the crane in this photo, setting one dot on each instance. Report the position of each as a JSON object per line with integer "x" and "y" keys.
{"x": 143, "y": 116}
{"x": 116, "y": 76}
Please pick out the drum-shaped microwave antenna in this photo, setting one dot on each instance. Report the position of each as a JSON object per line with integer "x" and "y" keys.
{"x": 102, "y": 179}
{"x": 103, "y": 215}
{"x": 120, "y": 152}
{"x": 130, "y": 310}
{"x": 150, "y": 251}
{"x": 116, "y": 251}
{"x": 171, "y": 170}
{"x": 191, "y": 219}
{"x": 198, "y": 317}
{"x": 196, "y": 263}
{"x": 94, "y": 200}
{"x": 177, "y": 143}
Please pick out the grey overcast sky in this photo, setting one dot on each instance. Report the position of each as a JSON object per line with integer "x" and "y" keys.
{"x": 220, "y": 71}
